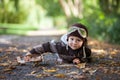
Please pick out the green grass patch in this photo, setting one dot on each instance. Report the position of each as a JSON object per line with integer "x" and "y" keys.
{"x": 18, "y": 29}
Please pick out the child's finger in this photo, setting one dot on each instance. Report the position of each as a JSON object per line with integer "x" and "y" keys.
{"x": 39, "y": 58}
{"x": 27, "y": 58}
{"x": 76, "y": 61}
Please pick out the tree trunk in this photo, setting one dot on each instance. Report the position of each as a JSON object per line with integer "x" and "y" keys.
{"x": 72, "y": 7}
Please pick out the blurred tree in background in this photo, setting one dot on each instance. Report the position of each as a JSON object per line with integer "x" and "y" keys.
{"x": 111, "y": 9}
{"x": 12, "y": 11}
{"x": 102, "y": 17}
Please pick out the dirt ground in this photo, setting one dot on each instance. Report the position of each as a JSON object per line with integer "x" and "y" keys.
{"x": 105, "y": 61}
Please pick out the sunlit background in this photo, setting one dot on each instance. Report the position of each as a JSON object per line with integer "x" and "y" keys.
{"x": 102, "y": 17}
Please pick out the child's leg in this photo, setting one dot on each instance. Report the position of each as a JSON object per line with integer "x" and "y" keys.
{"x": 49, "y": 58}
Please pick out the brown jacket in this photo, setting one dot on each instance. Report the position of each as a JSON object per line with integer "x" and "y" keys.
{"x": 64, "y": 51}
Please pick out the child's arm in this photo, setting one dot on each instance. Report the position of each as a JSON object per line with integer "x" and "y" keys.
{"x": 88, "y": 56}
{"x": 40, "y": 49}
{"x": 35, "y": 53}
{"x": 28, "y": 58}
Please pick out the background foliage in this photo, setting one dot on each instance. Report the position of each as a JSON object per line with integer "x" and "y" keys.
{"x": 102, "y": 17}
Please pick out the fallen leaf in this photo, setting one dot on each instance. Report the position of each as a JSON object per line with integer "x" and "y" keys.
{"x": 80, "y": 77}
{"x": 92, "y": 72}
{"x": 2, "y": 77}
{"x": 39, "y": 75}
{"x": 81, "y": 65}
{"x": 99, "y": 51}
{"x": 5, "y": 70}
{"x": 33, "y": 72}
{"x": 73, "y": 72}
{"x": 98, "y": 78}
{"x": 4, "y": 64}
{"x": 10, "y": 68}
{"x": 114, "y": 52}
{"x": 50, "y": 70}
{"x": 89, "y": 70}
{"x": 1, "y": 50}
{"x": 14, "y": 63}
{"x": 24, "y": 50}
{"x": 3, "y": 57}
{"x": 60, "y": 75}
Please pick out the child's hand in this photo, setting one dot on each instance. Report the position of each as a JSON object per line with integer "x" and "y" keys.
{"x": 28, "y": 57}
{"x": 76, "y": 60}
{"x": 32, "y": 57}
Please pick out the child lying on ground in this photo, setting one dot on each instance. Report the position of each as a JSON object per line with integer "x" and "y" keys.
{"x": 71, "y": 49}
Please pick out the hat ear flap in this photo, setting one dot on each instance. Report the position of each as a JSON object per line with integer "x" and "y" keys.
{"x": 85, "y": 42}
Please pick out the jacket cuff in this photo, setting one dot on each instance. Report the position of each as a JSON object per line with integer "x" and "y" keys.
{"x": 33, "y": 51}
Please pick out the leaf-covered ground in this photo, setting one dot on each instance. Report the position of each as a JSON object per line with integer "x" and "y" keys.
{"x": 105, "y": 64}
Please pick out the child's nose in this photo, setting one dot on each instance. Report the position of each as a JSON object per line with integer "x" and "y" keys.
{"x": 74, "y": 41}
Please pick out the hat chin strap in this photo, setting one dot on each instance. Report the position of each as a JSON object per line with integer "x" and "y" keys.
{"x": 84, "y": 53}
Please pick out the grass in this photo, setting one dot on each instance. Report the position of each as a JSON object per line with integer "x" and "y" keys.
{"x": 17, "y": 29}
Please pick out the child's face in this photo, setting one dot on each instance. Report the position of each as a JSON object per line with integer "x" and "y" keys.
{"x": 74, "y": 42}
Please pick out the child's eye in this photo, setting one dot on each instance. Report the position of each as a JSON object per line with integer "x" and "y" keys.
{"x": 79, "y": 40}
{"x": 72, "y": 39}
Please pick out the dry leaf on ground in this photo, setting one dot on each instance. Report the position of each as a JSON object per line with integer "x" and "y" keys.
{"x": 4, "y": 64}
{"x": 60, "y": 75}
{"x": 50, "y": 70}
{"x": 81, "y": 65}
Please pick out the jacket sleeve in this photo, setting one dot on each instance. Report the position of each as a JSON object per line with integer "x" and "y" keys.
{"x": 67, "y": 58}
{"x": 88, "y": 56}
{"x": 42, "y": 48}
